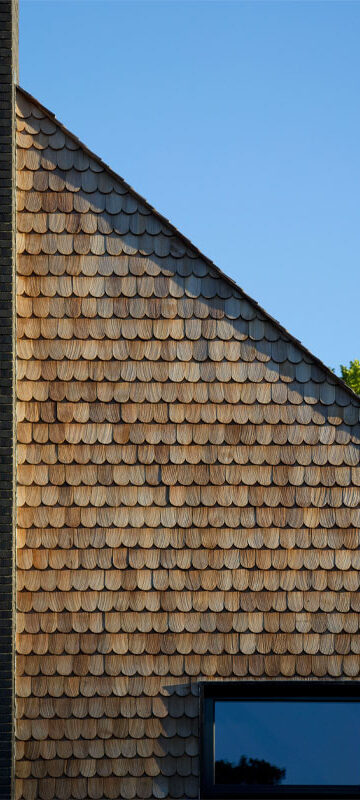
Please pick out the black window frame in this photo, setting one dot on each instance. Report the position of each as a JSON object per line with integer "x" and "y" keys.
{"x": 211, "y": 692}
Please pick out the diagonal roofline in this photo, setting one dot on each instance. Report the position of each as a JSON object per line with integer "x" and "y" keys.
{"x": 334, "y": 378}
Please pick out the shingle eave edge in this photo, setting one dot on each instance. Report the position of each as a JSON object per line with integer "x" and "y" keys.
{"x": 334, "y": 378}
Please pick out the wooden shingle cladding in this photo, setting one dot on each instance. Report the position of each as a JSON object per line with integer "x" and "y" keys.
{"x": 189, "y": 485}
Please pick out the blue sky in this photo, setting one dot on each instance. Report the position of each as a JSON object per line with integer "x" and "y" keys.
{"x": 239, "y": 121}
{"x": 317, "y": 743}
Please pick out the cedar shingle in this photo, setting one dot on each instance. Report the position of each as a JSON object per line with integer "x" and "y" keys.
{"x": 188, "y": 487}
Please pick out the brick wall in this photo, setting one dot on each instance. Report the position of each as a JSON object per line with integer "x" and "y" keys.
{"x": 8, "y": 78}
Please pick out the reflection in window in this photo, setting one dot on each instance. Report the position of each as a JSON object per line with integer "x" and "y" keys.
{"x": 287, "y": 743}
{"x": 248, "y": 771}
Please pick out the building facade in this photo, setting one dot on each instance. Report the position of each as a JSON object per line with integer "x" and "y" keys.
{"x": 187, "y": 486}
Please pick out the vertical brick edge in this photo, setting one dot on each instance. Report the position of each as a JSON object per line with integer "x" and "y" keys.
{"x": 8, "y": 79}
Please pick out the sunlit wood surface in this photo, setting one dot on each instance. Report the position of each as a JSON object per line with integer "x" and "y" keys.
{"x": 188, "y": 487}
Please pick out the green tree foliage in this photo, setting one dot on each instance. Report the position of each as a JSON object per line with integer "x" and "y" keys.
{"x": 351, "y": 375}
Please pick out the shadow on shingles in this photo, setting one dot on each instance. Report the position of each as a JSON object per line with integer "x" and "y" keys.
{"x": 179, "y": 741}
{"x": 280, "y": 353}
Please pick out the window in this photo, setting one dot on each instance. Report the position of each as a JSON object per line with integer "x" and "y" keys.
{"x": 280, "y": 739}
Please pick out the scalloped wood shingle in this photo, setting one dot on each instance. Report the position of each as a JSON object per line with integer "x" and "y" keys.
{"x": 188, "y": 487}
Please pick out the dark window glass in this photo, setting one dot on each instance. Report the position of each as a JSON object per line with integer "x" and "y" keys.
{"x": 287, "y": 743}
